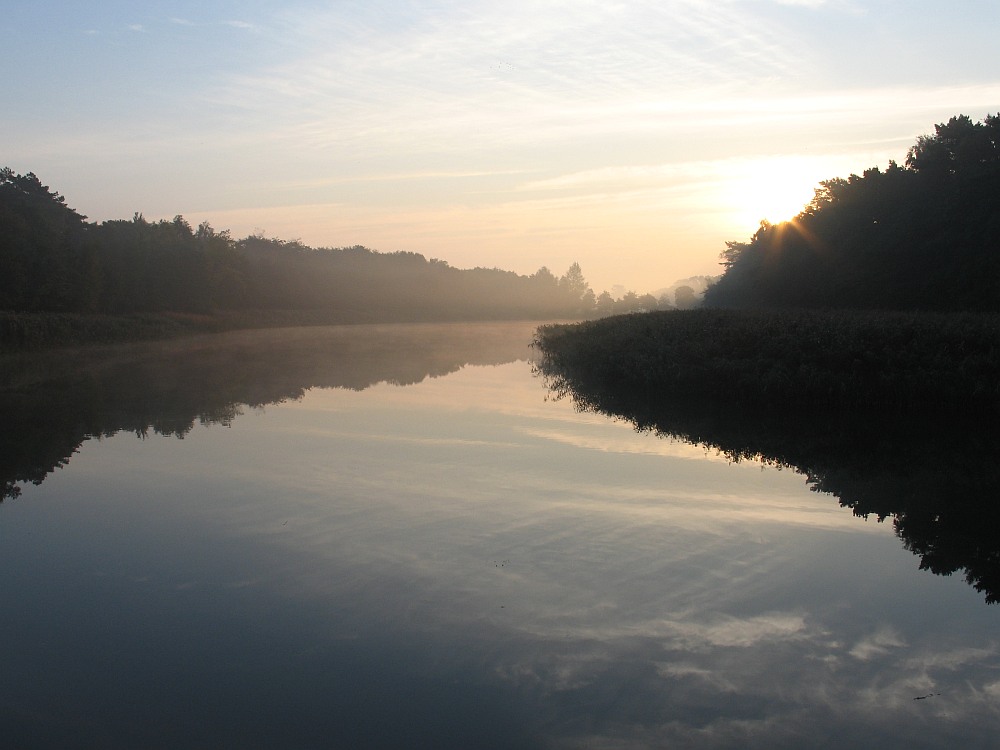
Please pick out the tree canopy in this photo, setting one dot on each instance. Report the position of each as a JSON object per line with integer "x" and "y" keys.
{"x": 53, "y": 260}
{"x": 918, "y": 236}
{"x": 45, "y": 260}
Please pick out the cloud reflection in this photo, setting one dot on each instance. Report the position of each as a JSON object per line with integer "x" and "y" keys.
{"x": 495, "y": 558}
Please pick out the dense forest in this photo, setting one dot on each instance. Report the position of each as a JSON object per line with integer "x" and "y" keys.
{"x": 53, "y": 260}
{"x": 923, "y": 236}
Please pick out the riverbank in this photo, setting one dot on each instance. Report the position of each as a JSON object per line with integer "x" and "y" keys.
{"x": 20, "y": 332}
{"x": 826, "y": 359}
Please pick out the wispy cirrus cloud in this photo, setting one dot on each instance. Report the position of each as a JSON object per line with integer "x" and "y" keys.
{"x": 877, "y": 644}
{"x": 569, "y": 62}
{"x": 556, "y": 113}
{"x": 475, "y": 79}
{"x": 245, "y": 25}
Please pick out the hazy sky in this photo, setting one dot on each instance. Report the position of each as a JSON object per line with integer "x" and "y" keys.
{"x": 633, "y": 137}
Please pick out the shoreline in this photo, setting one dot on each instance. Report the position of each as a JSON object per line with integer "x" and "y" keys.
{"x": 28, "y": 332}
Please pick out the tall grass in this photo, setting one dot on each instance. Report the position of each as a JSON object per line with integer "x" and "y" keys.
{"x": 803, "y": 358}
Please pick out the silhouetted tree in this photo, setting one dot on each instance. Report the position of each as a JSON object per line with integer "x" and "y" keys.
{"x": 51, "y": 259}
{"x": 46, "y": 261}
{"x": 921, "y": 236}
{"x": 576, "y": 291}
{"x": 628, "y": 303}
{"x": 684, "y": 298}
{"x": 604, "y": 305}
{"x": 647, "y": 303}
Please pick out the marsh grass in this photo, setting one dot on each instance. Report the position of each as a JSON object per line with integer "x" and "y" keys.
{"x": 827, "y": 359}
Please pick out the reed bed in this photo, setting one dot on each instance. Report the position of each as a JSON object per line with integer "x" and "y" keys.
{"x": 814, "y": 358}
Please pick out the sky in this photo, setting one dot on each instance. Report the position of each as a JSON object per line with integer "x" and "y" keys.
{"x": 634, "y": 138}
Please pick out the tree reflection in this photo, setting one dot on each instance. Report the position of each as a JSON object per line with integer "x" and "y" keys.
{"x": 935, "y": 477}
{"x": 53, "y": 402}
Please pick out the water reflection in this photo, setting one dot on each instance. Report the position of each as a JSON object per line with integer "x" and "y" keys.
{"x": 936, "y": 478}
{"x": 456, "y": 563}
{"x": 53, "y": 402}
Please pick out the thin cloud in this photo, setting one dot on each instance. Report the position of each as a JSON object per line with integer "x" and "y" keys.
{"x": 877, "y": 644}
{"x": 234, "y": 24}
{"x": 601, "y": 53}
{"x": 406, "y": 177}
{"x": 436, "y": 81}
{"x": 245, "y": 25}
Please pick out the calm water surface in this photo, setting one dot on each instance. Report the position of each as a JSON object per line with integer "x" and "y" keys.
{"x": 269, "y": 541}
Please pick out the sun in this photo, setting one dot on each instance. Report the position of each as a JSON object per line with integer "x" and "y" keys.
{"x": 779, "y": 197}
{"x": 774, "y": 189}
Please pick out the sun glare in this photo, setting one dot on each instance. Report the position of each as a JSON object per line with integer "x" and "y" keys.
{"x": 772, "y": 189}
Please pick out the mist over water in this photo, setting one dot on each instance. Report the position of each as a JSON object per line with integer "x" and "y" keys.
{"x": 397, "y": 536}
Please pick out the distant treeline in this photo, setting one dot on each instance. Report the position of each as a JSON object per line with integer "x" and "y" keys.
{"x": 53, "y": 260}
{"x": 924, "y": 236}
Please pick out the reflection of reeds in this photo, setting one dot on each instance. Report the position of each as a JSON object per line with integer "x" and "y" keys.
{"x": 814, "y": 358}
{"x": 933, "y": 472}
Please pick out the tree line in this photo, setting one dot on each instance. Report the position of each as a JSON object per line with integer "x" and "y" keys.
{"x": 53, "y": 260}
{"x": 922, "y": 236}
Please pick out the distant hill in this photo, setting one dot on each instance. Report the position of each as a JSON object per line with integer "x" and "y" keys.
{"x": 923, "y": 236}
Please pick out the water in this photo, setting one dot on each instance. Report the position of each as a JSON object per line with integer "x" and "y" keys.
{"x": 395, "y": 536}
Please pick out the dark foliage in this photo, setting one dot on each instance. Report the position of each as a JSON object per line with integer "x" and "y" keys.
{"x": 46, "y": 258}
{"x": 53, "y": 261}
{"x": 900, "y": 361}
{"x": 925, "y": 236}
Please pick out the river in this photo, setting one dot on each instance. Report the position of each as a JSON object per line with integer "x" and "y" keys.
{"x": 398, "y": 536}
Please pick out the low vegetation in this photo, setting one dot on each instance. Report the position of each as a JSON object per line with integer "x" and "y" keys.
{"x": 814, "y": 358}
